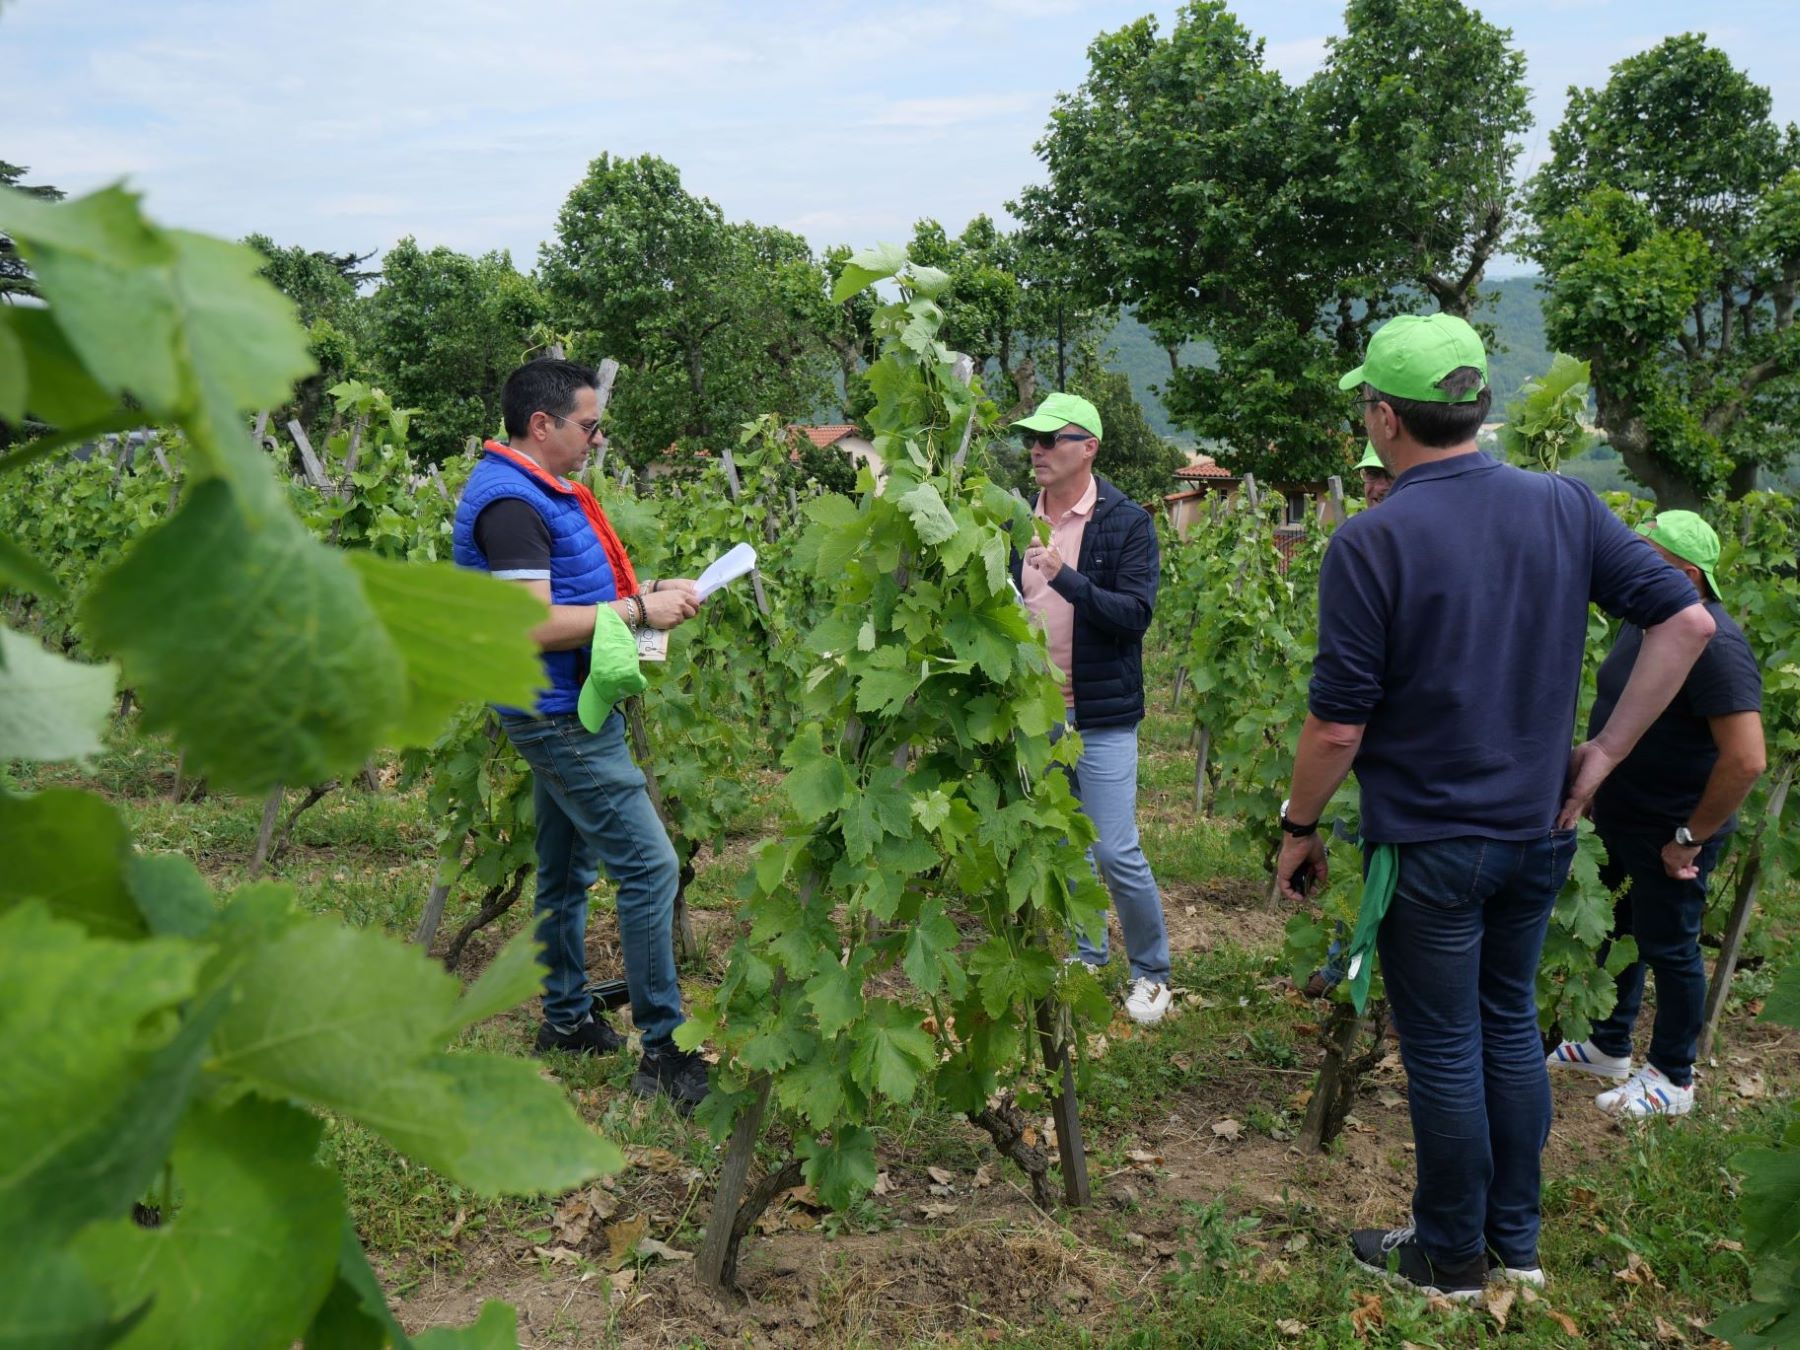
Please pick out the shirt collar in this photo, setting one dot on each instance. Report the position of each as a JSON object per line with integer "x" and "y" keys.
{"x": 1476, "y": 461}
{"x": 1084, "y": 507}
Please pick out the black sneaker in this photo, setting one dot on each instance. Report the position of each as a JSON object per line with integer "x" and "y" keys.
{"x": 591, "y": 1036}
{"x": 1499, "y": 1271}
{"x": 680, "y": 1075}
{"x": 1397, "y": 1254}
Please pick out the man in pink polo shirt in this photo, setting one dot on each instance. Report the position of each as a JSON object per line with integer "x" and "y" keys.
{"x": 1093, "y": 588}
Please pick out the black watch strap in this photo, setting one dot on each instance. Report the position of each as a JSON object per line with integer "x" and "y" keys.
{"x": 1297, "y": 830}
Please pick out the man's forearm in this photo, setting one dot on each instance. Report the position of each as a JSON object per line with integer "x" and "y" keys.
{"x": 571, "y": 627}
{"x": 1668, "y": 653}
{"x": 1726, "y": 787}
{"x": 1326, "y": 752}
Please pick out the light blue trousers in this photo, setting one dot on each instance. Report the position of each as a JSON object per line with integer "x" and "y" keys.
{"x": 1105, "y": 782}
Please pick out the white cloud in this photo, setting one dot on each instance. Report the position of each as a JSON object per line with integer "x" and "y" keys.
{"x": 1295, "y": 59}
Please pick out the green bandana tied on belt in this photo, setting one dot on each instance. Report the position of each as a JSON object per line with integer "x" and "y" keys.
{"x": 613, "y": 673}
{"x": 1378, "y": 894}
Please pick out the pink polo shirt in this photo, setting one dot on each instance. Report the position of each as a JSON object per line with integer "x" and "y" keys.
{"x": 1055, "y": 614}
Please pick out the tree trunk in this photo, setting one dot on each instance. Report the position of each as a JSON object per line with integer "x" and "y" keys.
{"x": 1742, "y": 481}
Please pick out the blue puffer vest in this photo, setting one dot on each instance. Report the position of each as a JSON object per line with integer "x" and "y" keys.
{"x": 579, "y": 571}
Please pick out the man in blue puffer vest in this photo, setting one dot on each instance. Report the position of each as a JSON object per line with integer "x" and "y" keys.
{"x": 522, "y": 519}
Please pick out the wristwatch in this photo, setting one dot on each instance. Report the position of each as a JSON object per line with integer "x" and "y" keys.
{"x": 1298, "y": 831}
{"x": 1684, "y": 837}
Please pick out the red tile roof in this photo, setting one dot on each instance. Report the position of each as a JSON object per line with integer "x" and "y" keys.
{"x": 1192, "y": 471}
{"x": 827, "y": 435}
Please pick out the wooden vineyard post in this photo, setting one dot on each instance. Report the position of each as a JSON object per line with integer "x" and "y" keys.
{"x": 437, "y": 481}
{"x": 964, "y": 371}
{"x": 350, "y": 458}
{"x": 1335, "y": 510}
{"x": 603, "y": 386}
{"x": 1201, "y": 753}
{"x": 1749, "y": 879}
{"x": 735, "y": 486}
{"x": 1251, "y": 496}
{"x": 315, "y": 472}
{"x": 1053, "y": 1032}
{"x": 265, "y": 834}
{"x": 633, "y": 709}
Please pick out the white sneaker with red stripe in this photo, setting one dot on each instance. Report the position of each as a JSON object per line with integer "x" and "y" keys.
{"x": 1648, "y": 1093}
{"x": 1583, "y": 1057}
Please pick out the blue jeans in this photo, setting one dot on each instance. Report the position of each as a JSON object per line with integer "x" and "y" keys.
{"x": 1105, "y": 783}
{"x": 593, "y": 811}
{"x": 1664, "y": 915}
{"x": 1459, "y": 954}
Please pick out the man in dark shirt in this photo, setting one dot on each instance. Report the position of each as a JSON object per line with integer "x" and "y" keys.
{"x": 1451, "y": 629}
{"x": 1664, "y": 816}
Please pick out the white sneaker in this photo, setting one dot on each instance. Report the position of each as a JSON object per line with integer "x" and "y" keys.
{"x": 1582, "y": 1057}
{"x": 1650, "y": 1093}
{"x": 1499, "y": 1274}
{"x": 1148, "y": 1001}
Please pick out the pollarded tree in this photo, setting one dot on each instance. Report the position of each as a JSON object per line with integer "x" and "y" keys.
{"x": 1668, "y": 224}
{"x": 713, "y": 322}
{"x": 1191, "y": 182}
{"x": 446, "y": 329}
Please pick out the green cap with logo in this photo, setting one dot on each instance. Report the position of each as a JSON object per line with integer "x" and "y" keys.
{"x": 1059, "y": 410}
{"x": 1411, "y": 353}
{"x": 1370, "y": 459}
{"x": 613, "y": 673}
{"x": 1689, "y": 538}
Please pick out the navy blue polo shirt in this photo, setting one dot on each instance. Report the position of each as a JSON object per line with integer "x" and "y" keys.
{"x": 1452, "y": 619}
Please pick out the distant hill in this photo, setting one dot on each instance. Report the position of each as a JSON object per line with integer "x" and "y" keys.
{"x": 1519, "y": 351}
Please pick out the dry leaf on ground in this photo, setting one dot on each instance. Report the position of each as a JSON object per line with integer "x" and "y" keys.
{"x": 936, "y": 1209}
{"x": 1287, "y": 1326}
{"x": 1499, "y": 1302}
{"x": 651, "y": 1247}
{"x": 1564, "y": 1321}
{"x": 1227, "y": 1129}
{"x": 624, "y": 1235}
{"x": 658, "y": 1160}
{"x": 939, "y": 1175}
{"x": 984, "y": 1176}
{"x": 1367, "y": 1314}
{"x": 1143, "y": 1157}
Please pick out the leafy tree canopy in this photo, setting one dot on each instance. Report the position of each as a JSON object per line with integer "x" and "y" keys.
{"x": 1668, "y": 224}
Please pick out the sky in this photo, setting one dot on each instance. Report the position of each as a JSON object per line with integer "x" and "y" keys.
{"x": 466, "y": 122}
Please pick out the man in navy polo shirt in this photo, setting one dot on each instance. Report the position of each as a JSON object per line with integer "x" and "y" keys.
{"x": 1664, "y": 818}
{"x": 1451, "y": 629}
{"x": 522, "y": 518}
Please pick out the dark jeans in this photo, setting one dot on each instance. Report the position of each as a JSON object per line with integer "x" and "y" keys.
{"x": 593, "y": 811}
{"x": 1664, "y": 915}
{"x": 1459, "y": 954}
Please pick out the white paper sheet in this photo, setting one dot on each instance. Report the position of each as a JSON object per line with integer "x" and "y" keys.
{"x": 739, "y": 561}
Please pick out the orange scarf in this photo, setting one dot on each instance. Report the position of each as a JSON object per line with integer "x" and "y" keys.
{"x": 623, "y": 576}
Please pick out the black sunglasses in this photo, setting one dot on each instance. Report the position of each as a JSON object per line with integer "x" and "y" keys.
{"x": 1044, "y": 440}
{"x": 587, "y": 428}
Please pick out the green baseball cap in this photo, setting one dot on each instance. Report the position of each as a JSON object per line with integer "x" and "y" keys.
{"x": 613, "y": 673}
{"x": 1689, "y": 538}
{"x": 1409, "y": 354}
{"x": 1059, "y": 410}
{"x": 1370, "y": 459}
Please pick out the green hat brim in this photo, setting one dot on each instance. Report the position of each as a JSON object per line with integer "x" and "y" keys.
{"x": 1648, "y": 530}
{"x": 1371, "y": 460}
{"x": 1353, "y": 380}
{"x": 1043, "y": 422}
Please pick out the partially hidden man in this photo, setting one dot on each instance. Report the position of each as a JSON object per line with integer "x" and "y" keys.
{"x": 1451, "y": 628}
{"x": 522, "y": 519}
{"x": 1664, "y": 817}
{"x": 1093, "y": 588}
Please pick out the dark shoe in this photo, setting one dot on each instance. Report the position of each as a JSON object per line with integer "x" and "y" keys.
{"x": 1501, "y": 1273}
{"x": 680, "y": 1075}
{"x": 1397, "y": 1254}
{"x": 593, "y": 1036}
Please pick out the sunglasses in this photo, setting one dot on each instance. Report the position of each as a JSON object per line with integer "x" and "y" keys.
{"x": 587, "y": 428}
{"x": 1045, "y": 440}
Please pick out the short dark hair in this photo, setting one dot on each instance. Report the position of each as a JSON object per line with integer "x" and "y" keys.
{"x": 545, "y": 385}
{"x": 1438, "y": 425}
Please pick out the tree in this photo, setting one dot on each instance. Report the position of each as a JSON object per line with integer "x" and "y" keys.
{"x": 446, "y": 330}
{"x": 324, "y": 288}
{"x": 1278, "y": 225}
{"x": 713, "y": 322}
{"x": 1667, "y": 222}
{"x": 15, "y": 277}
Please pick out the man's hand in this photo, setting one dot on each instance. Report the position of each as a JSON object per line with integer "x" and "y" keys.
{"x": 1044, "y": 559}
{"x": 1297, "y": 852}
{"x": 1588, "y": 768}
{"x": 671, "y": 605}
{"x": 1681, "y": 863}
{"x": 662, "y": 584}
